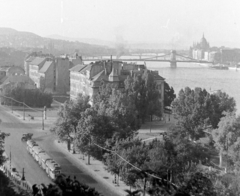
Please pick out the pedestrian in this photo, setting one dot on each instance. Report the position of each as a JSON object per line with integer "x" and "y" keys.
{"x": 69, "y": 181}
{"x": 75, "y": 181}
{"x": 44, "y": 189}
{"x": 35, "y": 189}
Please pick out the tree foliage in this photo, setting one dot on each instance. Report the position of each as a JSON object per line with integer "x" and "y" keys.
{"x": 68, "y": 117}
{"x": 197, "y": 109}
{"x": 31, "y": 97}
{"x": 145, "y": 93}
{"x": 169, "y": 94}
{"x": 227, "y": 139}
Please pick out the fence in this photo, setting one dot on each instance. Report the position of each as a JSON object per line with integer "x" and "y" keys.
{"x": 16, "y": 179}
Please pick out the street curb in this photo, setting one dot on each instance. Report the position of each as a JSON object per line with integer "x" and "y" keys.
{"x": 92, "y": 173}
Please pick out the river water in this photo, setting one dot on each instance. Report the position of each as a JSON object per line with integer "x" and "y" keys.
{"x": 196, "y": 75}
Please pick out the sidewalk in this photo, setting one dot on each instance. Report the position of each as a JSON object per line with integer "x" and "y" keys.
{"x": 96, "y": 169}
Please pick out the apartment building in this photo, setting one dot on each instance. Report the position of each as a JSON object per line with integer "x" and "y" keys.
{"x": 86, "y": 79}
{"x": 50, "y": 73}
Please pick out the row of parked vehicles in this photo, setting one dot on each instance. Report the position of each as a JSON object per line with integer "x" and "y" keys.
{"x": 51, "y": 167}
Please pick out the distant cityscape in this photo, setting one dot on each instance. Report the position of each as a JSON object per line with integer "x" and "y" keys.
{"x": 224, "y": 55}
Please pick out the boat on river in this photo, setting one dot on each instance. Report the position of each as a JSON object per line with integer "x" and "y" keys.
{"x": 235, "y": 68}
{"x": 219, "y": 66}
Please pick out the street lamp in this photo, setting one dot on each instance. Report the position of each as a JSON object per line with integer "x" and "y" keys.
{"x": 24, "y": 105}
{"x": 10, "y": 159}
{"x": 43, "y": 119}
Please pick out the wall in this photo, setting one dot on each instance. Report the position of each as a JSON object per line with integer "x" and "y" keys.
{"x": 26, "y": 67}
{"x": 49, "y": 77}
{"x": 62, "y": 75}
{"x": 34, "y": 75}
{"x": 79, "y": 83}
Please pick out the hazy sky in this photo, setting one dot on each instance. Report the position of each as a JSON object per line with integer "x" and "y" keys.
{"x": 182, "y": 21}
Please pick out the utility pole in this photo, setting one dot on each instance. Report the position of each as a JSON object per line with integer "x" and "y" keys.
{"x": 23, "y": 111}
{"x": 43, "y": 120}
{"x": 12, "y": 105}
{"x": 89, "y": 145}
{"x": 45, "y": 112}
{"x": 23, "y": 176}
{"x": 227, "y": 156}
{"x": 10, "y": 159}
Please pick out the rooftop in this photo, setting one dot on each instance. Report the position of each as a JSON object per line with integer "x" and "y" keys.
{"x": 78, "y": 68}
{"x": 45, "y": 67}
{"x": 38, "y": 60}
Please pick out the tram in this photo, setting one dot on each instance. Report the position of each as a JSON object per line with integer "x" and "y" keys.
{"x": 51, "y": 167}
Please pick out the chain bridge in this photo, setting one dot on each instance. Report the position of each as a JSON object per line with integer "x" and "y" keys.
{"x": 173, "y": 58}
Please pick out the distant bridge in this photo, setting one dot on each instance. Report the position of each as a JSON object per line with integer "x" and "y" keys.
{"x": 171, "y": 57}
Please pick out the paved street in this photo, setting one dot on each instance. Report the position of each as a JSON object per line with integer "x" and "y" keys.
{"x": 21, "y": 159}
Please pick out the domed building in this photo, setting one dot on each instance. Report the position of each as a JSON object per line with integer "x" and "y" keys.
{"x": 202, "y": 45}
{"x": 200, "y": 50}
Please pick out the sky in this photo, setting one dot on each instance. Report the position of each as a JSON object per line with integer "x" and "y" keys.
{"x": 130, "y": 21}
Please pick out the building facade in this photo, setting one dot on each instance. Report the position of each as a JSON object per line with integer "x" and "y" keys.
{"x": 87, "y": 79}
{"x": 51, "y": 73}
{"x": 200, "y": 50}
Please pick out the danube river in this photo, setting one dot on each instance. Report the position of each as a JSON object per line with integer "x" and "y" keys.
{"x": 195, "y": 75}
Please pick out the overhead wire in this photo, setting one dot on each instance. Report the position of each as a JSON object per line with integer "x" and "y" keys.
{"x": 114, "y": 152}
{"x": 22, "y": 103}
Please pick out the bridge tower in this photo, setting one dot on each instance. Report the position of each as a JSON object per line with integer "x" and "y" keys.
{"x": 173, "y": 62}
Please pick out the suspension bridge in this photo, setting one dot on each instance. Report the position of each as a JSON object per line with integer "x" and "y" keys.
{"x": 173, "y": 58}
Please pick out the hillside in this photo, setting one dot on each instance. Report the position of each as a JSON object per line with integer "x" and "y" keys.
{"x": 84, "y": 40}
{"x": 26, "y": 40}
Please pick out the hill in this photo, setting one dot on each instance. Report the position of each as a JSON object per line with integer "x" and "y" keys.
{"x": 84, "y": 40}
{"x": 26, "y": 41}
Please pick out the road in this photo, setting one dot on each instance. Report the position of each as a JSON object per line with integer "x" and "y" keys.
{"x": 21, "y": 159}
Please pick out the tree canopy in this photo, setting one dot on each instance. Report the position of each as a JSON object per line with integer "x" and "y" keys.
{"x": 31, "y": 97}
{"x": 169, "y": 94}
{"x": 68, "y": 117}
{"x": 145, "y": 93}
{"x": 197, "y": 109}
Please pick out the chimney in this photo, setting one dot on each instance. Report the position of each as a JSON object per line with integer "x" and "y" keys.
{"x": 131, "y": 73}
{"x": 111, "y": 63}
{"x": 104, "y": 66}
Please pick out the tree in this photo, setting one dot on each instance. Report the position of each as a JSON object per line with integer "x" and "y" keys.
{"x": 198, "y": 185}
{"x": 227, "y": 135}
{"x": 190, "y": 110}
{"x": 2, "y": 138}
{"x": 197, "y": 109}
{"x": 68, "y": 117}
{"x": 143, "y": 89}
{"x": 169, "y": 94}
{"x": 119, "y": 108}
{"x": 220, "y": 103}
{"x": 93, "y": 128}
{"x": 31, "y": 97}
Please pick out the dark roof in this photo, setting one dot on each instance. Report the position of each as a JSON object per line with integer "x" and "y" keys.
{"x": 158, "y": 77}
{"x": 31, "y": 58}
{"x": 37, "y": 60}
{"x": 87, "y": 67}
{"x": 45, "y": 67}
{"x": 99, "y": 76}
{"x": 78, "y": 68}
